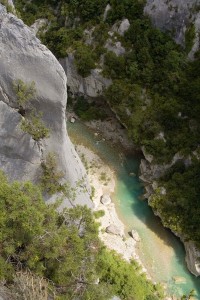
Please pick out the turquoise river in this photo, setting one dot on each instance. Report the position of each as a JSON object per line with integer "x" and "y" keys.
{"x": 160, "y": 251}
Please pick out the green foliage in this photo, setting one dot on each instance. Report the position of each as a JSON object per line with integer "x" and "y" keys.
{"x": 114, "y": 66}
{"x": 127, "y": 8}
{"x": 31, "y": 11}
{"x": 24, "y": 91}
{"x": 52, "y": 177}
{"x": 99, "y": 213}
{"x": 88, "y": 111}
{"x": 61, "y": 250}
{"x": 155, "y": 91}
{"x": 189, "y": 37}
{"x": 33, "y": 125}
{"x": 180, "y": 206}
{"x": 84, "y": 59}
{"x": 125, "y": 279}
{"x": 92, "y": 192}
{"x": 8, "y": 6}
{"x": 57, "y": 40}
{"x": 50, "y": 244}
{"x": 88, "y": 9}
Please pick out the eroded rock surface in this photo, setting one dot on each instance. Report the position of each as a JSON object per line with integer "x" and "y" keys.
{"x": 91, "y": 86}
{"x": 192, "y": 258}
{"x": 24, "y": 57}
{"x": 173, "y": 15}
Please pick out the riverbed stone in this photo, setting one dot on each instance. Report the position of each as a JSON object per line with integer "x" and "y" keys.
{"x": 105, "y": 199}
{"x": 113, "y": 229}
{"x": 72, "y": 120}
{"x": 135, "y": 235}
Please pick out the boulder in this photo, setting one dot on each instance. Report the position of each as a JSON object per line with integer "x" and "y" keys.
{"x": 135, "y": 235}
{"x": 124, "y": 26}
{"x": 72, "y": 120}
{"x": 192, "y": 257}
{"x": 113, "y": 229}
{"x": 121, "y": 27}
{"x": 105, "y": 199}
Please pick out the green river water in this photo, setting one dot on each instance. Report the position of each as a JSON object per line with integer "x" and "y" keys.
{"x": 160, "y": 251}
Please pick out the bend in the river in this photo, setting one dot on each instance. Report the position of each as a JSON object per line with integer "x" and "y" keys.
{"x": 161, "y": 252}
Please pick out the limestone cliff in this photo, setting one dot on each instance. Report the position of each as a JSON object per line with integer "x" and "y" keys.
{"x": 91, "y": 86}
{"x": 176, "y": 16}
{"x": 24, "y": 57}
{"x": 149, "y": 174}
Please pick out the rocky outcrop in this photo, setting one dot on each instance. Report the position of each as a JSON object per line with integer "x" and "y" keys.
{"x": 149, "y": 174}
{"x": 105, "y": 199}
{"x": 115, "y": 47}
{"x": 135, "y": 235}
{"x": 121, "y": 27}
{"x": 113, "y": 229}
{"x": 38, "y": 25}
{"x": 91, "y": 86}
{"x": 192, "y": 257}
{"x": 173, "y": 16}
{"x": 24, "y": 57}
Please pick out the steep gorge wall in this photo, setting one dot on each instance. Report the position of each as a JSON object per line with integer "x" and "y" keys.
{"x": 173, "y": 16}
{"x": 176, "y": 17}
{"x": 24, "y": 57}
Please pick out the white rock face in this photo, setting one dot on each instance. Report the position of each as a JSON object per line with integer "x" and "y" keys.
{"x": 124, "y": 26}
{"x": 115, "y": 47}
{"x": 173, "y": 16}
{"x": 196, "y": 41}
{"x": 24, "y": 57}
{"x": 192, "y": 258}
{"x": 38, "y": 25}
{"x": 108, "y": 7}
{"x": 121, "y": 27}
{"x": 105, "y": 199}
{"x": 150, "y": 173}
{"x": 91, "y": 86}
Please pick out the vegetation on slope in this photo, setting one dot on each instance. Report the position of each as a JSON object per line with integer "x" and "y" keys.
{"x": 155, "y": 89}
{"x": 61, "y": 250}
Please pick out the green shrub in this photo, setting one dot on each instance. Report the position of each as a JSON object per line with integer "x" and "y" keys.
{"x": 24, "y": 91}
{"x": 135, "y": 286}
{"x": 189, "y": 37}
{"x": 84, "y": 59}
{"x": 52, "y": 176}
{"x": 99, "y": 213}
{"x": 89, "y": 111}
{"x": 33, "y": 125}
{"x": 57, "y": 40}
{"x": 8, "y": 6}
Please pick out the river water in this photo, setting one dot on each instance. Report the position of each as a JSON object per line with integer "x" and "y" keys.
{"x": 160, "y": 251}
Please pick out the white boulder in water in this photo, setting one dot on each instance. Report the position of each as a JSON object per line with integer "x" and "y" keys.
{"x": 105, "y": 199}
{"x": 135, "y": 235}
